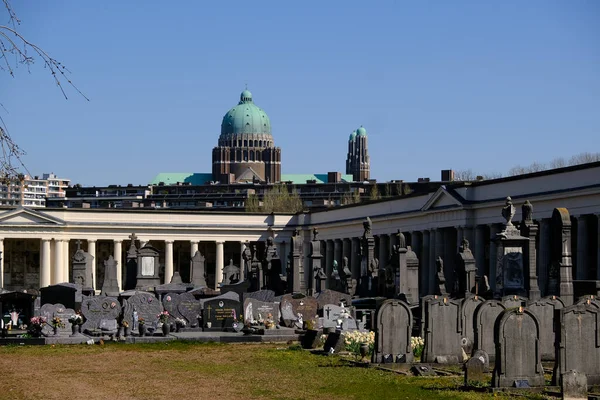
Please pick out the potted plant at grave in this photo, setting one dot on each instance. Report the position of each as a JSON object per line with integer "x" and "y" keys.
{"x": 269, "y": 323}
{"x": 142, "y": 326}
{"x": 180, "y": 323}
{"x": 359, "y": 343}
{"x": 56, "y": 323}
{"x": 163, "y": 318}
{"x": 76, "y": 320}
{"x": 35, "y": 326}
{"x": 417, "y": 344}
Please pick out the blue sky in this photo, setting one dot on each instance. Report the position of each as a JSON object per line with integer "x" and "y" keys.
{"x": 463, "y": 84}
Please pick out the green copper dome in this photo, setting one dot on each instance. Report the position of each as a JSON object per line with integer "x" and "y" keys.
{"x": 361, "y": 131}
{"x": 246, "y": 118}
{"x": 352, "y": 136}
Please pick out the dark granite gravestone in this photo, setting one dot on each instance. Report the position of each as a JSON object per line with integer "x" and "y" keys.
{"x": 262, "y": 295}
{"x": 467, "y": 310}
{"x": 307, "y": 306}
{"x": 97, "y": 308}
{"x": 328, "y": 296}
{"x": 146, "y": 305}
{"x": 544, "y": 310}
{"x": 67, "y": 294}
{"x": 574, "y": 386}
{"x": 171, "y": 303}
{"x": 518, "y": 356}
{"x": 316, "y": 273}
{"x": 175, "y": 286}
{"x": 255, "y": 310}
{"x": 131, "y": 266}
{"x": 204, "y": 292}
{"x": 219, "y": 314}
{"x": 56, "y": 310}
{"x": 443, "y": 331}
{"x": 110, "y": 287}
{"x": 190, "y": 309}
{"x": 392, "y": 333}
{"x": 514, "y": 301}
{"x": 578, "y": 342}
{"x": 297, "y": 284}
{"x": 334, "y": 342}
{"x": 486, "y": 315}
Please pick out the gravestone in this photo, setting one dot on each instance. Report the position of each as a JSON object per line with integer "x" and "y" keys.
{"x": 518, "y": 357}
{"x": 297, "y": 284}
{"x": 442, "y": 331}
{"x": 82, "y": 263}
{"x": 131, "y": 266}
{"x": 110, "y": 287}
{"x": 412, "y": 274}
{"x": 514, "y": 301}
{"x": 486, "y": 315}
{"x": 529, "y": 229}
{"x": 316, "y": 274}
{"x": 148, "y": 268}
{"x": 198, "y": 274}
{"x": 328, "y": 296}
{"x": 231, "y": 274}
{"x": 67, "y": 294}
{"x": 56, "y": 310}
{"x": 467, "y": 310}
{"x": 291, "y": 308}
{"x": 392, "y": 333}
{"x": 440, "y": 278}
{"x": 544, "y": 310}
{"x": 465, "y": 269}
{"x": 255, "y": 310}
{"x": 475, "y": 372}
{"x": 175, "y": 286}
{"x": 220, "y": 313}
{"x": 578, "y": 342}
{"x": 574, "y": 386}
{"x": 334, "y": 342}
{"x": 146, "y": 305}
{"x": 171, "y": 303}
{"x": 560, "y": 276}
{"x": 262, "y": 295}
{"x": 424, "y": 301}
{"x": 338, "y": 317}
{"x": 190, "y": 309}
{"x": 228, "y": 296}
{"x": 97, "y": 308}
{"x": 240, "y": 288}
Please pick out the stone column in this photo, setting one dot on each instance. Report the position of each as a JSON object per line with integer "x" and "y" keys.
{"x": 479, "y": 246}
{"x": 337, "y": 251}
{"x": 544, "y": 255}
{"x": 118, "y": 256}
{"x": 494, "y": 229}
{"x": 58, "y": 261}
{"x": 355, "y": 258}
{"x": 582, "y": 248}
{"x": 346, "y": 250}
{"x": 383, "y": 250}
{"x": 424, "y": 265}
{"x": 450, "y": 251}
{"x": 242, "y": 272}
{"x": 2, "y": 263}
{"x": 329, "y": 254}
{"x": 220, "y": 264}
{"x": 45, "y": 272}
{"x": 459, "y": 236}
{"x": 284, "y": 255}
{"x": 66, "y": 262}
{"x": 168, "y": 261}
{"x": 92, "y": 252}
{"x": 467, "y": 233}
{"x": 415, "y": 242}
{"x": 598, "y": 248}
{"x": 433, "y": 237}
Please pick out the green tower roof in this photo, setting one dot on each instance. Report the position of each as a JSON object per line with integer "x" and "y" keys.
{"x": 361, "y": 131}
{"x": 246, "y": 117}
{"x": 352, "y": 136}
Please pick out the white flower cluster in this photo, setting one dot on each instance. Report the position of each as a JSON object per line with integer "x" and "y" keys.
{"x": 416, "y": 341}
{"x": 359, "y": 337}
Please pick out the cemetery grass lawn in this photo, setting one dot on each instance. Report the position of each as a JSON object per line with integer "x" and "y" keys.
{"x": 204, "y": 371}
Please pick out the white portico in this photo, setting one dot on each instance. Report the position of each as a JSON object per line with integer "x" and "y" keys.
{"x": 37, "y": 244}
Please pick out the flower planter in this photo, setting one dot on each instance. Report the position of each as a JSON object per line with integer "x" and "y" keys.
{"x": 364, "y": 350}
{"x": 165, "y": 329}
{"x": 237, "y": 327}
{"x": 142, "y": 330}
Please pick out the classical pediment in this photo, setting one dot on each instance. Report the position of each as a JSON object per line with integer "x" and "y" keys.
{"x": 442, "y": 198}
{"x": 26, "y": 216}
{"x": 249, "y": 175}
